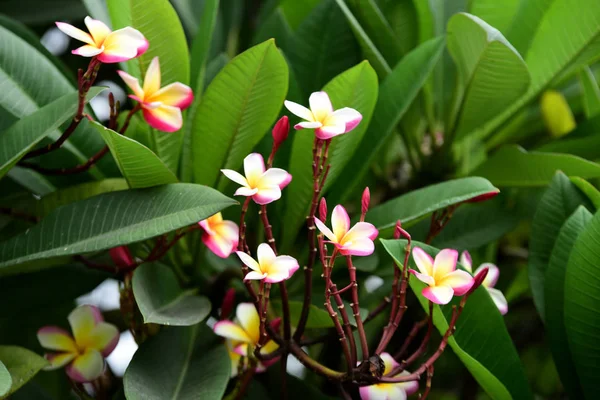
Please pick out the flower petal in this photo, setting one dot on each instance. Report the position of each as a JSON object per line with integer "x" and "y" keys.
{"x": 438, "y": 294}
{"x": 75, "y": 33}
{"x": 362, "y": 230}
{"x": 58, "y": 360}
{"x": 152, "y": 79}
{"x": 244, "y": 191}
{"x": 266, "y": 256}
{"x": 87, "y": 51}
{"x": 235, "y": 176}
{"x": 287, "y": 263}
{"x": 219, "y": 245}
{"x": 320, "y": 105}
{"x": 308, "y": 125}
{"x": 389, "y": 363}
{"x": 104, "y": 338}
{"x": 374, "y": 392}
{"x": 340, "y": 222}
{"x": 249, "y": 320}
{"x": 228, "y": 329}
{"x": 444, "y": 263}
{"x": 423, "y": 260}
{"x": 98, "y": 30}
{"x": 122, "y": 45}
{"x": 55, "y": 338}
{"x": 427, "y": 279}
{"x": 327, "y": 132}
{"x": 499, "y": 300}
{"x": 298, "y": 110}
{"x": 459, "y": 281}
{"x": 255, "y": 276}
{"x": 133, "y": 84}
{"x": 249, "y": 261}
{"x": 83, "y": 320}
{"x": 357, "y": 247}
{"x": 176, "y": 94}
{"x": 409, "y": 387}
{"x": 87, "y": 367}
{"x": 348, "y": 117}
{"x": 325, "y": 230}
{"x": 275, "y": 177}
{"x": 164, "y": 118}
{"x": 254, "y": 168}
{"x": 267, "y": 195}
{"x": 492, "y": 276}
{"x": 466, "y": 261}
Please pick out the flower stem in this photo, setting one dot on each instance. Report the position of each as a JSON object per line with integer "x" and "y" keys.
{"x": 356, "y": 309}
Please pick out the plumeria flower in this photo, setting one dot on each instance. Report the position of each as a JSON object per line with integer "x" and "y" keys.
{"x": 243, "y": 334}
{"x": 355, "y": 241}
{"x": 489, "y": 282}
{"x": 161, "y": 106}
{"x": 269, "y": 267}
{"x": 321, "y": 117}
{"x": 107, "y": 46}
{"x": 263, "y": 186}
{"x": 389, "y": 391}
{"x": 84, "y": 352}
{"x": 220, "y": 236}
{"x": 441, "y": 275}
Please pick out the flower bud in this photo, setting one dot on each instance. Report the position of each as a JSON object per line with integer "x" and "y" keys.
{"x": 121, "y": 256}
{"x": 323, "y": 210}
{"x": 227, "y": 304}
{"x": 398, "y": 230}
{"x": 280, "y": 131}
{"x": 478, "y": 280}
{"x": 364, "y": 204}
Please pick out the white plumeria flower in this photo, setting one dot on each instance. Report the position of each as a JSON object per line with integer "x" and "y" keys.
{"x": 270, "y": 268}
{"x": 355, "y": 241}
{"x": 489, "y": 282}
{"x": 263, "y": 186}
{"x": 107, "y": 46}
{"x": 321, "y": 117}
{"x": 389, "y": 391}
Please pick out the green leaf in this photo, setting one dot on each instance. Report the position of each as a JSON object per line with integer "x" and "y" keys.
{"x": 238, "y": 108}
{"x": 97, "y": 10}
{"x": 22, "y": 364}
{"x": 591, "y": 92}
{"x": 112, "y": 219}
{"x": 582, "y": 316}
{"x": 587, "y": 147}
{"x": 188, "y": 369}
{"x": 480, "y": 341}
{"x": 5, "y": 380}
{"x": 526, "y": 23}
{"x": 410, "y": 207}
{"x": 45, "y": 12}
{"x": 396, "y": 93}
{"x": 162, "y": 301}
{"x": 201, "y": 45}
{"x": 588, "y": 189}
{"x": 297, "y": 11}
{"x": 558, "y": 202}
{"x": 317, "y": 317}
{"x": 554, "y": 294}
{"x": 355, "y": 88}
{"x": 138, "y": 164}
{"x": 513, "y": 166}
{"x": 491, "y": 71}
{"x": 498, "y": 14}
{"x": 24, "y": 134}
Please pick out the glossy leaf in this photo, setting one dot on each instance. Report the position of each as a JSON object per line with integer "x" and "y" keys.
{"x": 513, "y": 166}
{"x": 239, "y": 107}
{"x": 138, "y": 164}
{"x": 189, "y": 369}
{"x": 491, "y": 71}
{"x": 162, "y": 301}
{"x": 582, "y": 316}
{"x": 500, "y": 15}
{"x": 113, "y": 219}
{"x": 526, "y": 23}
{"x": 588, "y": 189}
{"x": 5, "y": 380}
{"x": 591, "y": 92}
{"x": 554, "y": 297}
{"x": 22, "y": 364}
{"x": 496, "y": 368}
{"x": 587, "y": 147}
{"x": 297, "y": 11}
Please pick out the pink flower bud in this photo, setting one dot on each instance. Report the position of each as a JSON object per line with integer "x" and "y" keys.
{"x": 478, "y": 280}
{"x": 275, "y": 324}
{"x": 323, "y": 210}
{"x": 366, "y": 199}
{"x": 280, "y": 131}
{"x": 398, "y": 230}
{"x": 227, "y": 304}
{"x": 121, "y": 256}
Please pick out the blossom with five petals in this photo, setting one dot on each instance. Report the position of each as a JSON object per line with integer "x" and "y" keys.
{"x": 107, "y": 46}
{"x": 321, "y": 117}
{"x": 220, "y": 236}
{"x": 441, "y": 275}
{"x": 389, "y": 391}
{"x": 489, "y": 282}
{"x": 269, "y": 267}
{"x": 355, "y": 241}
{"x": 84, "y": 352}
{"x": 263, "y": 186}
{"x": 161, "y": 106}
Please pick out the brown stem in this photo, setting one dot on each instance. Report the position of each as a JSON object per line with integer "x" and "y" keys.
{"x": 422, "y": 348}
{"x": 428, "y": 384}
{"x": 377, "y": 310}
{"x": 242, "y": 246}
{"x": 128, "y": 118}
{"x": 346, "y": 321}
{"x": 245, "y": 383}
{"x": 356, "y": 309}
{"x": 314, "y": 365}
{"x": 439, "y": 222}
{"x": 411, "y": 336}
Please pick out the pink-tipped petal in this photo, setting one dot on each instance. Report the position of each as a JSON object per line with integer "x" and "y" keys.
{"x": 58, "y": 360}
{"x": 83, "y": 320}
{"x": 244, "y": 191}
{"x": 459, "y": 281}
{"x": 374, "y": 392}
{"x": 75, "y": 33}
{"x": 348, "y": 117}
{"x": 255, "y": 276}
{"x": 298, "y": 110}
{"x": 427, "y": 279}
{"x": 87, "y": 51}
{"x": 104, "y": 338}
{"x": 277, "y": 276}
{"x": 466, "y": 261}
{"x": 492, "y": 276}
{"x": 254, "y": 168}
{"x": 439, "y": 294}
{"x": 98, "y": 30}
{"x": 320, "y": 105}
{"x": 499, "y": 300}
{"x": 362, "y": 230}
{"x": 409, "y": 387}
{"x": 176, "y": 94}
{"x": 275, "y": 177}
{"x": 357, "y": 247}
{"x": 152, "y": 80}
{"x": 55, "y": 338}
{"x": 267, "y": 195}
{"x": 423, "y": 261}
{"x": 86, "y": 367}
{"x": 248, "y": 318}
{"x": 308, "y": 125}
{"x": 328, "y": 132}
{"x": 122, "y": 45}
{"x": 444, "y": 263}
{"x": 265, "y": 255}
{"x": 340, "y": 222}
{"x": 164, "y": 118}
{"x": 287, "y": 264}
{"x": 248, "y": 261}
{"x": 229, "y": 330}
{"x": 325, "y": 230}
{"x": 142, "y": 47}
{"x": 235, "y": 176}
{"x": 133, "y": 84}
{"x": 388, "y": 362}
{"x": 286, "y": 181}
{"x": 219, "y": 245}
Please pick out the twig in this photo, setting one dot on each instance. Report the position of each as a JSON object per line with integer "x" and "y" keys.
{"x": 356, "y": 309}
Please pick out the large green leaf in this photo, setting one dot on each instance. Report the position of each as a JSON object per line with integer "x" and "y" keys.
{"x": 498, "y": 14}
{"x": 396, "y": 93}
{"x": 189, "y": 369}
{"x": 554, "y": 295}
{"x": 238, "y": 108}
{"x": 526, "y": 23}
{"x": 162, "y": 301}
{"x": 410, "y": 207}
{"x": 5, "y": 380}
{"x": 112, "y": 219}
{"x": 591, "y": 92}
{"x": 24, "y": 134}
{"x": 480, "y": 341}
{"x": 138, "y": 164}
{"x": 513, "y": 166}
{"x": 356, "y": 88}
{"x": 297, "y": 11}
{"x": 587, "y": 147}
{"x": 22, "y": 364}
{"x": 491, "y": 71}
{"x": 558, "y": 202}
{"x": 582, "y": 315}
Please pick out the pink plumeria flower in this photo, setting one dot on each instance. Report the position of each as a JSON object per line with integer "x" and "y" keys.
{"x": 83, "y": 353}
{"x": 321, "y": 117}
{"x": 269, "y": 267}
{"x": 389, "y": 391}
{"x": 220, "y": 236}
{"x": 441, "y": 275}
{"x": 242, "y": 336}
{"x": 355, "y": 241}
{"x": 489, "y": 282}
{"x": 161, "y": 106}
{"x": 263, "y": 186}
{"x": 107, "y": 46}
